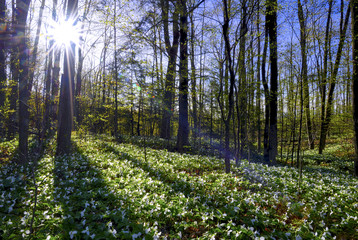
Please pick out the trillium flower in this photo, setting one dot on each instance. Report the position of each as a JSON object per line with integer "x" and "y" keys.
{"x": 86, "y": 231}
{"x": 72, "y": 233}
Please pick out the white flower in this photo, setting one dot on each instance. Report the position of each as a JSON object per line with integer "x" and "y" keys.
{"x": 134, "y": 236}
{"x": 72, "y": 233}
{"x": 93, "y": 235}
{"x": 27, "y": 232}
{"x": 48, "y": 237}
{"x": 86, "y": 231}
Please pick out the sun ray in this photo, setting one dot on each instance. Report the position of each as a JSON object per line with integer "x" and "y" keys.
{"x": 64, "y": 32}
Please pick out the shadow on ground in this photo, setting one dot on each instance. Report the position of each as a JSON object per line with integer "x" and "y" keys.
{"x": 89, "y": 209}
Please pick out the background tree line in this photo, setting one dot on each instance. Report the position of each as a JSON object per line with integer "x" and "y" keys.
{"x": 243, "y": 77}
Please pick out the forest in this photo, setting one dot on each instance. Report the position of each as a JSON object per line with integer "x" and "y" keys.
{"x": 178, "y": 119}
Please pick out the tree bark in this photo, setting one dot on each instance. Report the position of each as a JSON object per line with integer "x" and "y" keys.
{"x": 2, "y": 64}
{"x": 355, "y": 79}
{"x": 66, "y": 100}
{"x": 172, "y": 50}
{"x": 329, "y": 105}
{"x": 183, "y": 130}
{"x": 304, "y": 74}
{"x": 193, "y": 78}
{"x": 22, "y": 8}
{"x": 271, "y": 21}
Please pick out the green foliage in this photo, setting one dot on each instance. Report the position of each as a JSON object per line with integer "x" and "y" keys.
{"x": 106, "y": 190}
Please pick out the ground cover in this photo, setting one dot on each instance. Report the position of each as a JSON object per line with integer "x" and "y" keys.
{"x": 106, "y": 190}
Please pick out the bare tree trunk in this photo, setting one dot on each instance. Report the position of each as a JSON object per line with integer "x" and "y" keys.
{"x": 304, "y": 74}
{"x": 271, "y": 21}
{"x": 258, "y": 93}
{"x": 355, "y": 79}
{"x": 328, "y": 110}
{"x": 172, "y": 50}
{"x": 22, "y": 7}
{"x": 323, "y": 84}
{"x": 183, "y": 129}
{"x": 243, "y": 87}
{"x": 267, "y": 101}
{"x": 193, "y": 78}
{"x": 66, "y": 100}
{"x": 13, "y": 84}
{"x": 2, "y": 65}
{"x": 116, "y": 73}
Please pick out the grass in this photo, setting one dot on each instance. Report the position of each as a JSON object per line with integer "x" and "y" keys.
{"x": 106, "y": 190}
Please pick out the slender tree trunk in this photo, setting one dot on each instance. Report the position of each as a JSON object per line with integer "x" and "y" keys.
{"x": 22, "y": 7}
{"x": 193, "y": 77}
{"x": 2, "y": 65}
{"x": 271, "y": 21}
{"x": 267, "y": 101}
{"x": 183, "y": 130}
{"x": 79, "y": 68}
{"x": 355, "y": 79}
{"x": 329, "y": 105}
{"x": 172, "y": 50}
{"x": 66, "y": 100}
{"x": 230, "y": 95}
{"x": 323, "y": 84}
{"x": 13, "y": 84}
{"x": 258, "y": 93}
{"x": 304, "y": 74}
{"x": 243, "y": 88}
{"x": 116, "y": 73}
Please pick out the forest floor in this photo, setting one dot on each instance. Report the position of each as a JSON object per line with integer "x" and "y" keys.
{"x": 107, "y": 190}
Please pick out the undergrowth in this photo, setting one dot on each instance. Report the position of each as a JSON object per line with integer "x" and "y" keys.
{"x": 111, "y": 190}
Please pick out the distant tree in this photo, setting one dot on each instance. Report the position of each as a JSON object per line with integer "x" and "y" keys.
{"x": 2, "y": 64}
{"x": 355, "y": 78}
{"x": 327, "y": 112}
{"x": 66, "y": 100}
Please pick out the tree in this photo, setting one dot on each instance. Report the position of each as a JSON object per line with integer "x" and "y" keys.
{"x": 183, "y": 130}
{"x": 172, "y": 51}
{"x": 66, "y": 100}
{"x": 22, "y": 8}
{"x": 271, "y": 22}
{"x": 230, "y": 66}
{"x": 332, "y": 84}
{"x": 304, "y": 74}
{"x": 355, "y": 78}
{"x": 2, "y": 64}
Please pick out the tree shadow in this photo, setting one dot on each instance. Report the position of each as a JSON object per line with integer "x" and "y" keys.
{"x": 90, "y": 210}
{"x": 202, "y": 197}
{"x": 16, "y": 182}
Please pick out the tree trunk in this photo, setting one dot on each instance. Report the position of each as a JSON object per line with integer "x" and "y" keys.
{"x": 2, "y": 65}
{"x": 323, "y": 84}
{"x": 267, "y": 101}
{"x": 13, "y": 84}
{"x": 172, "y": 50}
{"x": 183, "y": 130}
{"x": 304, "y": 74}
{"x": 66, "y": 100}
{"x": 271, "y": 21}
{"x": 22, "y": 7}
{"x": 243, "y": 89}
{"x": 329, "y": 105}
{"x": 355, "y": 79}
{"x": 116, "y": 73}
{"x": 193, "y": 78}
